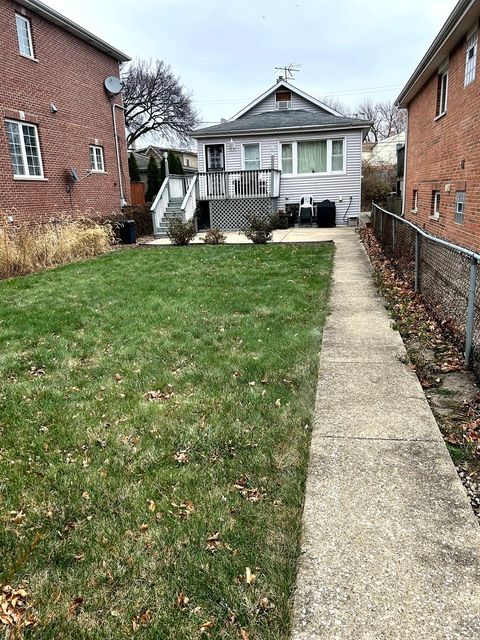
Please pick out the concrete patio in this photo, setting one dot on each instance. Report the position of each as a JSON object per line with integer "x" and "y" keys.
{"x": 295, "y": 234}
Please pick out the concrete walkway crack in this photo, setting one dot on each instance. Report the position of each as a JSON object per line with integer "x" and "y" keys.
{"x": 390, "y": 547}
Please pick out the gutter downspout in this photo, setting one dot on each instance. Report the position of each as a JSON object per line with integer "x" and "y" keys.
{"x": 405, "y": 168}
{"x": 123, "y": 202}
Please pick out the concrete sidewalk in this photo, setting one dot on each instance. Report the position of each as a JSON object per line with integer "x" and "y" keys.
{"x": 294, "y": 234}
{"x": 391, "y": 547}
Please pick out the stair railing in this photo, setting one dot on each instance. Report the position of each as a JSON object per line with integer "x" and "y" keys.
{"x": 189, "y": 203}
{"x": 160, "y": 204}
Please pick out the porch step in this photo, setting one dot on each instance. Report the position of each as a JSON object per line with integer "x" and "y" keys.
{"x": 173, "y": 210}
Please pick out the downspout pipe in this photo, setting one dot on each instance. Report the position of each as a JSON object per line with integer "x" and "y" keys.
{"x": 123, "y": 202}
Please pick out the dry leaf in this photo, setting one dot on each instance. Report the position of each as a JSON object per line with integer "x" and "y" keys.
{"x": 160, "y": 396}
{"x": 152, "y": 506}
{"x": 213, "y": 542}
{"x": 249, "y": 576}
{"x": 244, "y": 634}
{"x": 143, "y": 527}
{"x": 118, "y": 377}
{"x": 278, "y": 402}
{"x": 206, "y": 626}
{"x": 181, "y": 456}
{"x": 182, "y": 601}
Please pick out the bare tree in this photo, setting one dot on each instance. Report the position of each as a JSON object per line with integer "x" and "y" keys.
{"x": 156, "y": 102}
{"x": 334, "y": 103}
{"x": 387, "y": 119}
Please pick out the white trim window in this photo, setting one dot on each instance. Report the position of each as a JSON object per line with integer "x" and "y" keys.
{"x": 97, "y": 162}
{"x": 251, "y": 156}
{"x": 287, "y": 157}
{"x": 435, "y": 204}
{"x": 442, "y": 91}
{"x": 24, "y": 34}
{"x": 321, "y": 156}
{"x": 471, "y": 57}
{"x": 415, "y": 201}
{"x": 24, "y": 150}
{"x": 460, "y": 207}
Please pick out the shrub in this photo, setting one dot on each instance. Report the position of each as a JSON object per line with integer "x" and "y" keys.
{"x": 27, "y": 248}
{"x": 377, "y": 183}
{"x": 214, "y": 236}
{"x": 154, "y": 180}
{"x": 181, "y": 233}
{"x": 259, "y": 229}
{"x": 133, "y": 170}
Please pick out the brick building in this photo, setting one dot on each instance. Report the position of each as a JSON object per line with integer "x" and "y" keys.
{"x": 442, "y": 180}
{"x": 59, "y": 150}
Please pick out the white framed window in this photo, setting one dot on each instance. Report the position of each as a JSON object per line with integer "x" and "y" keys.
{"x": 24, "y": 34}
{"x": 435, "y": 204}
{"x": 283, "y": 99}
{"x": 287, "y": 157}
{"x": 471, "y": 57}
{"x": 460, "y": 207}
{"x": 97, "y": 163}
{"x": 251, "y": 156}
{"x": 442, "y": 91}
{"x": 338, "y": 155}
{"x": 24, "y": 150}
{"x": 415, "y": 201}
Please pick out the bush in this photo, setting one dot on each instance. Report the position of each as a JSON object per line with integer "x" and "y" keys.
{"x": 181, "y": 233}
{"x": 29, "y": 248}
{"x": 141, "y": 214}
{"x": 377, "y": 183}
{"x": 260, "y": 229}
{"x": 214, "y": 236}
{"x": 154, "y": 180}
{"x": 133, "y": 170}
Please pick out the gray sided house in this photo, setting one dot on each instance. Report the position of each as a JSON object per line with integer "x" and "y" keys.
{"x": 282, "y": 146}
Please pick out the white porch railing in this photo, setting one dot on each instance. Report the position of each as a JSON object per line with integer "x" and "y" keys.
{"x": 189, "y": 203}
{"x": 222, "y": 185}
{"x": 160, "y": 204}
{"x": 179, "y": 186}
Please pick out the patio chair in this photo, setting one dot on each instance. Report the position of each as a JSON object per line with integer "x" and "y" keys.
{"x": 305, "y": 210}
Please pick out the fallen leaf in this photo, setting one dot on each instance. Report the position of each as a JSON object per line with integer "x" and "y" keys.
{"x": 181, "y": 456}
{"x": 182, "y": 601}
{"x": 152, "y": 506}
{"x": 213, "y": 542}
{"x": 278, "y": 402}
{"x": 206, "y": 626}
{"x": 249, "y": 576}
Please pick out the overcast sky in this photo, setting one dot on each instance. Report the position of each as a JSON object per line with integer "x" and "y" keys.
{"x": 226, "y": 52}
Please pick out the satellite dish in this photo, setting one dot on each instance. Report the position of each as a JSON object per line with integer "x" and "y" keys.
{"x": 74, "y": 175}
{"x": 112, "y": 85}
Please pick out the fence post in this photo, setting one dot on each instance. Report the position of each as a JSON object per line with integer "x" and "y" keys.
{"x": 381, "y": 224}
{"x": 470, "y": 311}
{"x": 394, "y": 234}
{"x": 417, "y": 262}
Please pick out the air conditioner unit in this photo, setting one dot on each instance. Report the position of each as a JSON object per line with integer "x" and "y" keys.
{"x": 284, "y": 104}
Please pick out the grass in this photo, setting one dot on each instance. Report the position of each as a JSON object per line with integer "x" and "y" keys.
{"x": 152, "y": 510}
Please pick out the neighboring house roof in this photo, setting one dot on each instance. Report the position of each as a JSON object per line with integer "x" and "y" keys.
{"x": 142, "y": 160}
{"x": 282, "y": 120}
{"x": 384, "y": 151}
{"x": 284, "y": 84}
{"x": 159, "y": 150}
{"x": 68, "y": 25}
{"x": 453, "y": 31}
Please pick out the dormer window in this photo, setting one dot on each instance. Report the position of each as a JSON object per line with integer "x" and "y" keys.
{"x": 283, "y": 99}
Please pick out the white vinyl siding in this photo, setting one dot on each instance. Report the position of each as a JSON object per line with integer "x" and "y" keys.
{"x": 24, "y": 149}
{"x": 24, "y": 35}
{"x": 293, "y": 186}
{"x": 471, "y": 58}
{"x": 97, "y": 163}
{"x": 251, "y": 156}
{"x": 269, "y": 104}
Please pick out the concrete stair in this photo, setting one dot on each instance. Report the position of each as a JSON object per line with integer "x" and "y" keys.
{"x": 173, "y": 211}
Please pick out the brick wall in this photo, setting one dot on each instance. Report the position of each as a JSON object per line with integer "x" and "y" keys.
{"x": 444, "y": 152}
{"x": 69, "y": 73}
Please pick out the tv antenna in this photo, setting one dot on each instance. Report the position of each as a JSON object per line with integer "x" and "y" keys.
{"x": 289, "y": 70}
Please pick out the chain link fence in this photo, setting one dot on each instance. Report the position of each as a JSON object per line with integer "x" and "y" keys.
{"x": 444, "y": 273}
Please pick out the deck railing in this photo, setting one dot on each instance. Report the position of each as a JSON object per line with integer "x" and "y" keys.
{"x": 223, "y": 185}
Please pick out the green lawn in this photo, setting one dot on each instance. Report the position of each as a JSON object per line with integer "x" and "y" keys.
{"x": 153, "y": 506}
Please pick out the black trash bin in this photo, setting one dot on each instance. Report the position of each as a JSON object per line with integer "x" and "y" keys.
{"x": 326, "y": 212}
{"x": 128, "y": 232}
